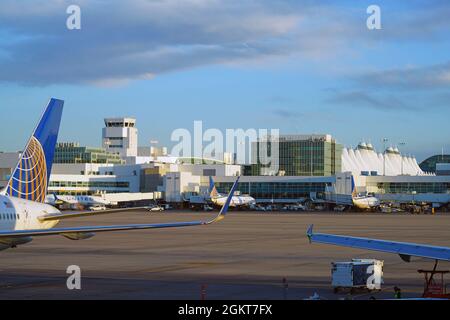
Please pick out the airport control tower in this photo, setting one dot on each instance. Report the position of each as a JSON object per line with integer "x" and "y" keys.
{"x": 121, "y": 135}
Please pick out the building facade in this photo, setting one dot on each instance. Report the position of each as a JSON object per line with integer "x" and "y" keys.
{"x": 8, "y": 160}
{"x": 299, "y": 155}
{"x": 92, "y": 178}
{"x": 72, "y": 152}
{"x": 429, "y": 164}
{"x": 120, "y": 135}
{"x": 182, "y": 181}
{"x": 443, "y": 169}
{"x": 275, "y": 189}
{"x": 364, "y": 160}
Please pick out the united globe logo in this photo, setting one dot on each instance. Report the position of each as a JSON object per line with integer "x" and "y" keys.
{"x": 29, "y": 180}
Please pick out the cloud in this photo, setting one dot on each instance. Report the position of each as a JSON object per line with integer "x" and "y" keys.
{"x": 288, "y": 114}
{"x": 410, "y": 88}
{"x": 364, "y": 99}
{"x": 307, "y": 114}
{"x": 129, "y": 40}
{"x": 121, "y": 41}
{"x": 416, "y": 21}
{"x": 386, "y": 102}
{"x": 430, "y": 77}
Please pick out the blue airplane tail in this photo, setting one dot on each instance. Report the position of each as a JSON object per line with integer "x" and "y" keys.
{"x": 353, "y": 187}
{"x": 31, "y": 176}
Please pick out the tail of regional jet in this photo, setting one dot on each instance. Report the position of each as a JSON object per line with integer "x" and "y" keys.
{"x": 353, "y": 187}
{"x": 212, "y": 189}
{"x": 31, "y": 176}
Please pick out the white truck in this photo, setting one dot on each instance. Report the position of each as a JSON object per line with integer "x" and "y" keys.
{"x": 357, "y": 274}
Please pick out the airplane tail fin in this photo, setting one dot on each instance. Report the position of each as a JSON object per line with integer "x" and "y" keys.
{"x": 309, "y": 232}
{"x": 212, "y": 189}
{"x": 31, "y": 176}
{"x": 353, "y": 188}
{"x": 58, "y": 200}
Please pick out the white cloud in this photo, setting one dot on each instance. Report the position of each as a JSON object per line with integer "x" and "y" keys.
{"x": 430, "y": 77}
{"x": 125, "y": 40}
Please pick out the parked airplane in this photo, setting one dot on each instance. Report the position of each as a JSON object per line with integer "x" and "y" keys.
{"x": 220, "y": 199}
{"x": 363, "y": 201}
{"x": 23, "y": 211}
{"x": 77, "y": 201}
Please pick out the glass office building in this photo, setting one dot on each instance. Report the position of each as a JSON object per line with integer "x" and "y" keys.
{"x": 73, "y": 153}
{"x": 429, "y": 164}
{"x": 299, "y": 155}
{"x": 275, "y": 190}
{"x": 90, "y": 184}
{"x": 410, "y": 187}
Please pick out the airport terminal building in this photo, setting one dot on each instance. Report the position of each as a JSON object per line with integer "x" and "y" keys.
{"x": 307, "y": 164}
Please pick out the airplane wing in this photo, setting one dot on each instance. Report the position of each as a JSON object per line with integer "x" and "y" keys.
{"x": 62, "y": 216}
{"x": 87, "y": 231}
{"x": 404, "y": 249}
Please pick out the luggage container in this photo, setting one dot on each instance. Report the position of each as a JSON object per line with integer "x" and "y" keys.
{"x": 357, "y": 274}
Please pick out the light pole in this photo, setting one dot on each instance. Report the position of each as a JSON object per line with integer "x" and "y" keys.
{"x": 384, "y": 155}
{"x": 402, "y": 144}
{"x": 311, "y": 156}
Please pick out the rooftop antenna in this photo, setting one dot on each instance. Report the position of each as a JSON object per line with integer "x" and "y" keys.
{"x": 384, "y": 155}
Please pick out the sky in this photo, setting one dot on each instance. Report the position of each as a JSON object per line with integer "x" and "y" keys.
{"x": 298, "y": 66}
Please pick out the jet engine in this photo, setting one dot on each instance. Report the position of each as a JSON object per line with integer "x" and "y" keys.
{"x": 78, "y": 235}
{"x": 6, "y": 243}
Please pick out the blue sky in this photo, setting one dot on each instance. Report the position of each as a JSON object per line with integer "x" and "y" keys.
{"x": 300, "y": 66}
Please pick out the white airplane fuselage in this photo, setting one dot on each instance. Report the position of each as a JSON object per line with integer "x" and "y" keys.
{"x": 19, "y": 214}
{"x": 366, "y": 202}
{"x": 79, "y": 200}
{"x": 235, "y": 201}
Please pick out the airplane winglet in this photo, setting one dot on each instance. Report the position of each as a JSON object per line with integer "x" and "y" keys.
{"x": 225, "y": 207}
{"x": 309, "y": 232}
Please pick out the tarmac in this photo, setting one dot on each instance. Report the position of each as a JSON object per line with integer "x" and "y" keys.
{"x": 248, "y": 255}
